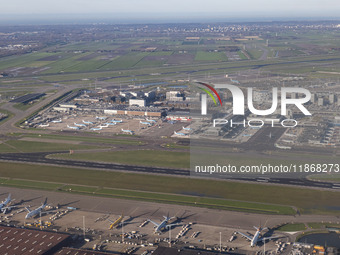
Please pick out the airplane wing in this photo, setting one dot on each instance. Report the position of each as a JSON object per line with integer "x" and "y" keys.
{"x": 28, "y": 210}
{"x": 154, "y": 223}
{"x": 246, "y": 236}
{"x": 9, "y": 208}
{"x": 171, "y": 225}
{"x": 268, "y": 238}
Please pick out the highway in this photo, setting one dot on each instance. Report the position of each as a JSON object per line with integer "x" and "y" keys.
{"x": 40, "y": 158}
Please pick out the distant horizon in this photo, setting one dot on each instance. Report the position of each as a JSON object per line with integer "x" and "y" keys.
{"x": 155, "y": 11}
{"x": 129, "y": 18}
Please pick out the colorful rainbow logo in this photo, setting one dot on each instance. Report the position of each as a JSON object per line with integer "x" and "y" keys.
{"x": 209, "y": 93}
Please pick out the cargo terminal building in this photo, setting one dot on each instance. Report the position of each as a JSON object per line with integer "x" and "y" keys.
{"x": 115, "y": 110}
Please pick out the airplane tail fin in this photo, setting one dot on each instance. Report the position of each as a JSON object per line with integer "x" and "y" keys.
{"x": 45, "y": 202}
{"x": 9, "y": 197}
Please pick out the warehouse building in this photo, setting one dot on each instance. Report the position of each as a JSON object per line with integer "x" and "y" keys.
{"x": 73, "y": 251}
{"x": 27, "y": 241}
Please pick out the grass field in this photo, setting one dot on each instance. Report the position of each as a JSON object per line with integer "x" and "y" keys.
{"x": 326, "y": 177}
{"x": 24, "y": 107}
{"x": 137, "y": 157}
{"x": 255, "y": 53}
{"x": 175, "y": 146}
{"x": 98, "y": 67}
{"x": 153, "y": 197}
{"x": 28, "y": 146}
{"x": 302, "y": 198}
{"x": 30, "y": 184}
{"x": 210, "y": 56}
{"x": 9, "y": 115}
{"x": 292, "y": 227}
{"x": 83, "y": 139}
{"x": 319, "y": 225}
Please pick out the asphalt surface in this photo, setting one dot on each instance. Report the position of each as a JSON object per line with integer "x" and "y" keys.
{"x": 155, "y": 211}
{"x": 40, "y": 158}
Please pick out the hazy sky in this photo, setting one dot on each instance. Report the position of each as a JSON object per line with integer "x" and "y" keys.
{"x": 142, "y": 8}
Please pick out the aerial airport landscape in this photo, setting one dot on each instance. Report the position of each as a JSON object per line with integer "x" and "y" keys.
{"x": 121, "y": 139}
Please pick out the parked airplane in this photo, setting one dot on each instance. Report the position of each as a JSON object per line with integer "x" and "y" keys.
{"x": 163, "y": 224}
{"x": 145, "y": 123}
{"x": 79, "y": 125}
{"x": 76, "y": 128}
{"x": 116, "y": 223}
{"x": 57, "y": 121}
{"x": 256, "y": 237}
{"x": 44, "y": 125}
{"x": 36, "y": 211}
{"x": 96, "y": 129}
{"x": 117, "y": 121}
{"x": 151, "y": 120}
{"x": 110, "y": 124}
{"x": 181, "y": 134}
{"x": 127, "y": 131}
{"x": 101, "y": 118}
{"x": 185, "y": 128}
{"x": 103, "y": 126}
{"x": 235, "y": 81}
{"x": 3, "y": 205}
{"x": 87, "y": 122}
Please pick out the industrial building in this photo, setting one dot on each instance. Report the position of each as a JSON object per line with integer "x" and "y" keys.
{"x": 173, "y": 251}
{"x": 135, "y": 111}
{"x": 174, "y": 96}
{"x": 15, "y": 241}
{"x": 27, "y": 241}
{"x": 137, "y": 102}
{"x": 337, "y": 121}
{"x": 73, "y": 251}
{"x": 179, "y": 116}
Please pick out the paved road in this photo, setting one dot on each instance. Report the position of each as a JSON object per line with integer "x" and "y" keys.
{"x": 9, "y": 126}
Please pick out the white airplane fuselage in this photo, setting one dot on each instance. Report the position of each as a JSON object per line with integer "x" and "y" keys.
{"x": 76, "y": 128}
{"x": 127, "y": 131}
{"x": 6, "y": 202}
{"x": 80, "y": 125}
{"x": 255, "y": 239}
{"x": 35, "y": 211}
{"x": 161, "y": 225}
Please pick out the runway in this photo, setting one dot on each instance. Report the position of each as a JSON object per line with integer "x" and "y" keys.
{"x": 40, "y": 158}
